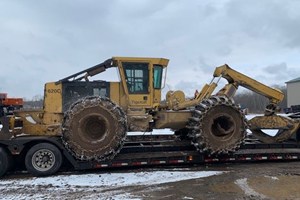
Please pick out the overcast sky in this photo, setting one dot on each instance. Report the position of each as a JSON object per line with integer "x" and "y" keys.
{"x": 43, "y": 41}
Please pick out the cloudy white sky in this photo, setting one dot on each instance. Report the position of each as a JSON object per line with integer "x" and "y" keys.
{"x": 42, "y": 41}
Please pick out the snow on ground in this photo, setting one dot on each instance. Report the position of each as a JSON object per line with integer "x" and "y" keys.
{"x": 243, "y": 184}
{"x": 100, "y": 185}
{"x": 113, "y": 179}
{"x": 155, "y": 132}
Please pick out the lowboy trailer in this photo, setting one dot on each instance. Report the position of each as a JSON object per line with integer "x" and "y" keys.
{"x": 44, "y": 155}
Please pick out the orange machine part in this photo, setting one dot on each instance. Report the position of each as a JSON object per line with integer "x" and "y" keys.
{"x": 12, "y": 101}
{"x": 3, "y": 96}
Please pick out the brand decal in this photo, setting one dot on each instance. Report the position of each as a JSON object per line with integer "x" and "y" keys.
{"x": 54, "y": 90}
{"x": 138, "y": 102}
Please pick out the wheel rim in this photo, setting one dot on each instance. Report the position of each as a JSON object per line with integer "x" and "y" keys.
{"x": 43, "y": 160}
{"x": 222, "y": 125}
{"x": 93, "y": 127}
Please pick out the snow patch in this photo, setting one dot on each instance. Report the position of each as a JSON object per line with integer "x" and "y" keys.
{"x": 154, "y": 132}
{"x": 272, "y": 177}
{"x": 112, "y": 179}
{"x": 243, "y": 184}
{"x": 112, "y": 186}
{"x": 188, "y": 197}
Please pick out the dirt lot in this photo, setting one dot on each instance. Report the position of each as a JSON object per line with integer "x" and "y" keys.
{"x": 234, "y": 181}
{"x": 241, "y": 181}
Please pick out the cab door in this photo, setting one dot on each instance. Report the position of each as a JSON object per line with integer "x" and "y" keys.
{"x": 137, "y": 83}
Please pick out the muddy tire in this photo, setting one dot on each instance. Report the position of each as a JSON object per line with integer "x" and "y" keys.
{"x": 94, "y": 128}
{"x": 217, "y": 125}
{"x": 5, "y": 161}
{"x": 43, "y": 159}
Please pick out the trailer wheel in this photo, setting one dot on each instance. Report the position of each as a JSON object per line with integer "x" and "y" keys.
{"x": 5, "y": 161}
{"x": 43, "y": 159}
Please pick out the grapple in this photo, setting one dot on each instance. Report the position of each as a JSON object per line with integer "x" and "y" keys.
{"x": 286, "y": 127}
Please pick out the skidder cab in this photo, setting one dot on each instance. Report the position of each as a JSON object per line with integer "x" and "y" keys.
{"x": 94, "y": 116}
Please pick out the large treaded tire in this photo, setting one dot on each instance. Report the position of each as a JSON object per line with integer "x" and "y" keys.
{"x": 94, "y": 128}
{"x": 5, "y": 161}
{"x": 43, "y": 159}
{"x": 217, "y": 125}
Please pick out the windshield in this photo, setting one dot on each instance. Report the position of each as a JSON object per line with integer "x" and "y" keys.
{"x": 136, "y": 75}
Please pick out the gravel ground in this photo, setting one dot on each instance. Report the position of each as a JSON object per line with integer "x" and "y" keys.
{"x": 241, "y": 181}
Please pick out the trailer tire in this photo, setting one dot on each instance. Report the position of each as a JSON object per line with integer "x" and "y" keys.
{"x": 43, "y": 159}
{"x": 5, "y": 161}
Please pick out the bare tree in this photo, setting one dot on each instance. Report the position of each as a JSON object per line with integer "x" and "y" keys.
{"x": 35, "y": 103}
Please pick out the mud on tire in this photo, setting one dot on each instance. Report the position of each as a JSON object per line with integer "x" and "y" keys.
{"x": 217, "y": 125}
{"x": 94, "y": 128}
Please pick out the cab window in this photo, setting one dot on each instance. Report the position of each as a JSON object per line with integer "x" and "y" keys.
{"x": 157, "y": 76}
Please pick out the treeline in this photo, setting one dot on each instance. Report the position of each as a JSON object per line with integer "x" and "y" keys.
{"x": 256, "y": 103}
{"x": 35, "y": 103}
{"x": 29, "y": 104}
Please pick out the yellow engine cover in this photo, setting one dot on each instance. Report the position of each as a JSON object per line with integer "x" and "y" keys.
{"x": 173, "y": 98}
